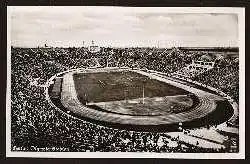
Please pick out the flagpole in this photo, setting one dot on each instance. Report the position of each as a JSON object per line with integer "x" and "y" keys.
{"x": 143, "y": 94}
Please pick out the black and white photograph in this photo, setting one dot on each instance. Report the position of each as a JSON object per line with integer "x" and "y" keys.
{"x": 144, "y": 82}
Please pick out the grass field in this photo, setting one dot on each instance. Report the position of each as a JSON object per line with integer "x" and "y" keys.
{"x": 116, "y": 86}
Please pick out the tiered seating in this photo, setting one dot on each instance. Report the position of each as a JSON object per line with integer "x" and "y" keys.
{"x": 188, "y": 72}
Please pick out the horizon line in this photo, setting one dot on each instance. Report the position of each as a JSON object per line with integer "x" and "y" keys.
{"x": 128, "y": 47}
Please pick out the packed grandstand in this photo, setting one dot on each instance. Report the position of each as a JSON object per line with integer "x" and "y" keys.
{"x": 38, "y": 126}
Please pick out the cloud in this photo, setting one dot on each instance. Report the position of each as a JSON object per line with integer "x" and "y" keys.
{"x": 34, "y": 26}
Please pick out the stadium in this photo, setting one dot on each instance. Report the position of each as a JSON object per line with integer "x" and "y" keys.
{"x": 146, "y": 82}
{"x": 136, "y": 100}
{"x": 128, "y": 100}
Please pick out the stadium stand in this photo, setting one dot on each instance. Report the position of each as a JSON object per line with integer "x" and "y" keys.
{"x": 37, "y": 126}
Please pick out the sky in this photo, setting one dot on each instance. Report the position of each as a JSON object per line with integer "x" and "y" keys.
{"x": 119, "y": 27}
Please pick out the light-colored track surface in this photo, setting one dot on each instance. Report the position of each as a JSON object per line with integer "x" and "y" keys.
{"x": 70, "y": 101}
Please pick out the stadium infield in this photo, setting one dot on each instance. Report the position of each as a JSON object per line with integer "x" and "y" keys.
{"x": 130, "y": 93}
{"x": 124, "y": 85}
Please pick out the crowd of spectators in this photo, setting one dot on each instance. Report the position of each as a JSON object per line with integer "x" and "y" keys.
{"x": 35, "y": 124}
{"x": 224, "y": 76}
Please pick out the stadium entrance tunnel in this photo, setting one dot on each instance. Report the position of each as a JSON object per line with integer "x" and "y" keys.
{"x": 222, "y": 112}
